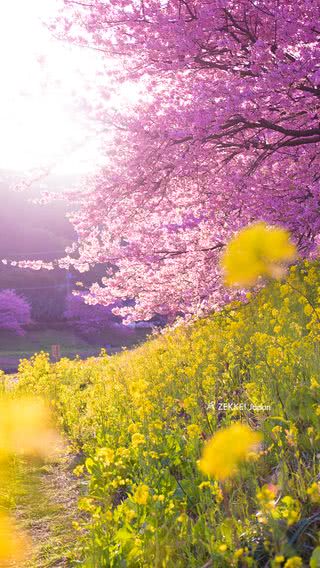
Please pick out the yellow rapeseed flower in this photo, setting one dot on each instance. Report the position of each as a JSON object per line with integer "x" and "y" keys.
{"x": 294, "y": 562}
{"x": 193, "y": 430}
{"x": 107, "y": 454}
{"x": 314, "y": 383}
{"x": 26, "y": 428}
{"x": 204, "y": 484}
{"x": 314, "y": 492}
{"x": 137, "y": 439}
{"x": 14, "y": 544}
{"x": 257, "y": 250}
{"x": 141, "y": 494}
{"x": 226, "y": 449}
{"x": 133, "y": 427}
{"x": 267, "y": 496}
{"x": 308, "y": 310}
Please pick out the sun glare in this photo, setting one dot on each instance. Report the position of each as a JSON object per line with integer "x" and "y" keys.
{"x": 40, "y": 122}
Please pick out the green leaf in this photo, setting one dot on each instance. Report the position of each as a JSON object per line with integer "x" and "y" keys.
{"x": 315, "y": 558}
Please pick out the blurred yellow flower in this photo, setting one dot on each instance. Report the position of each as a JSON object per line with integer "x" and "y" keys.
{"x": 267, "y": 496}
{"x": 193, "y": 430}
{"x": 133, "y": 428}
{"x": 226, "y": 449}
{"x": 130, "y": 514}
{"x": 204, "y": 484}
{"x": 183, "y": 518}
{"x": 141, "y": 494}
{"x": 314, "y": 492}
{"x": 137, "y": 439}
{"x": 26, "y": 428}
{"x": 78, "y": 470}
{"x": 257, "y": 250}
{"x": 294, "y": 562}
{"x": 314, "y": 383}
{"x": 308, "y": 310}
{"x": 14, "y": 545}
{"x": 107, "y": 454}
{"x": 290, "y": 510}
{"x": 159, "y": 498}
{"x": 123, "y": 452}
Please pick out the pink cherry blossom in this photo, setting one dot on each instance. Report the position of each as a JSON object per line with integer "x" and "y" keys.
{"x": 226, "y": 132}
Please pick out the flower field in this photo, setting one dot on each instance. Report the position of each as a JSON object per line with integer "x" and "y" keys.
{"x": 161, "y": 488}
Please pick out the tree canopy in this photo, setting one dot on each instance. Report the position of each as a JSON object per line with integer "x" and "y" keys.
{"x": 15, "y": 312}
{"x": 226, "y": 133}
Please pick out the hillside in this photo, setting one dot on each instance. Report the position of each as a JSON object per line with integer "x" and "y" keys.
{"x": 138, "y": 422}
{"x": 33, "y": 231}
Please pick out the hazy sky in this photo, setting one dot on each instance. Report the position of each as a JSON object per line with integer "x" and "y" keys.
{"x": 38, "y": 118}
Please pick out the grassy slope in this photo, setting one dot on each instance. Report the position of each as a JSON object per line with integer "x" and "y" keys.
{"x": 141, "y": 417}
{"x": 39, "y": 340}
{"x": 13, "y": 348}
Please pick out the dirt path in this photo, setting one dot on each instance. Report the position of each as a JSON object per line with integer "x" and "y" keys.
{"x": 46, "y": 500}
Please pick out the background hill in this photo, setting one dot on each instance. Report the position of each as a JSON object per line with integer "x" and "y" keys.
{"x": 33, "y": 231}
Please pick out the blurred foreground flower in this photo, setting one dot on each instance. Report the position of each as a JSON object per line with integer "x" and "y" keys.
{"x": 294, "y": 562}
{"x": 314, "y": 492}
{"x": 226, "y": 449}
{"x": 14, "y": 545}
{"x": 26, "y": 428}
{"x": 141, "y": 494}
{"x": 257, "y": 250}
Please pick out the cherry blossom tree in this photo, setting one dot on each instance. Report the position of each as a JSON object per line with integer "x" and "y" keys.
{"x": 15, "y": 312}
{"x": 226, "y": 132}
